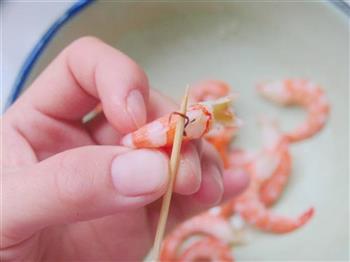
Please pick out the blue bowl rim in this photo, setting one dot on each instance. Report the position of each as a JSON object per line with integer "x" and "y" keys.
{"x": 40, "y": 46}
{"x": 76, "y": 8}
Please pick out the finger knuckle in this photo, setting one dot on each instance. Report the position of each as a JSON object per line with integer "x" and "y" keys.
{"x": 85, "y": 41}
{"x": 74, "y": 182}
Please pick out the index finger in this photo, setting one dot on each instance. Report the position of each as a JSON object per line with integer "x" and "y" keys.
{"x": 85, "y": 72}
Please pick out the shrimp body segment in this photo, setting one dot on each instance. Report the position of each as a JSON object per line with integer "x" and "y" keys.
{"x": 209, "y": 90}
{"x": 272, "y": 188}
{"x": 274, "y": 162}
{"x": 299, "y": 92}
{"x": 202, "y": 225}
{"x": 254, "y": 212}
{"x": 207, "y": 249}
{"x": 200, "y": 118}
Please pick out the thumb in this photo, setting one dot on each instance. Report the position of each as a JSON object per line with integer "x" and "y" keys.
{"x": 80, "y": 184}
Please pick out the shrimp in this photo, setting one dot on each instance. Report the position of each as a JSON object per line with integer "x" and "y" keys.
{"x": 200, "y": 119}
{"x": 274, "y": 158}
{"x": 299, "y": 92}
{"x": 209, "y": 90}
{"x": 202, "y": 225}
{"x": 207, "y": 249}
{"x": 254, "y": 212}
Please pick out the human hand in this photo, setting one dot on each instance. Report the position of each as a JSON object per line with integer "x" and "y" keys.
{"x": 69, "y": 191}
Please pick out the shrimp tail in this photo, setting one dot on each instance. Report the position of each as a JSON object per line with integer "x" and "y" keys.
{"x": 204, "y": 224}
{"x": 207, "y": 249}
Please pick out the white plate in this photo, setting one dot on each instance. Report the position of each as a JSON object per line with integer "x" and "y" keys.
{"x": 243, "y": 43}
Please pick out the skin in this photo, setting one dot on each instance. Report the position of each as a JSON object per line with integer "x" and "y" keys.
{"x": 69, "y": 191}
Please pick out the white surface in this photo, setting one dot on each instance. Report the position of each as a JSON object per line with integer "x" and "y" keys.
{"x": 242, "y": 43}
{"x": 23, "y": 23}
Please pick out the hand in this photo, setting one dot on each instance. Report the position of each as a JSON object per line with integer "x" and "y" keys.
{"x": 69, "y": 191}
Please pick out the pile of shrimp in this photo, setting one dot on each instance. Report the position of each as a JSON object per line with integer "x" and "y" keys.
{"x": 211, "y": 235}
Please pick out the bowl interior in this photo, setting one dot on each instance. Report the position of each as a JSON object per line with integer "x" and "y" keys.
{"x": 244, "y": 43}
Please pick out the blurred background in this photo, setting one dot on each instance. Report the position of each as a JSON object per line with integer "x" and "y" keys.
{"x": 241, "y": 43}
{"x": 23, "y": 23}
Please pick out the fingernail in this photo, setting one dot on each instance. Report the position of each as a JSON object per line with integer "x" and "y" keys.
{"x": 136, "y": 107}
{"x": 140, "y": 172}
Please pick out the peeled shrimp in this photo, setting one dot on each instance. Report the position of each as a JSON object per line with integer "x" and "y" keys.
{"x": 268, "y": 170}
{"x": 200, "y": 119}
{"x": 254, "y": 212}
{"x": 299, "y": 92}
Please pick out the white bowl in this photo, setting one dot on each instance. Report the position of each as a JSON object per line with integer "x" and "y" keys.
{"x": 243, "y": 43}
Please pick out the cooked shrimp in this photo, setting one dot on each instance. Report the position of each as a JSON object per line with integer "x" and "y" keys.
{"x": 254, "y": 212}
{"x": 200, "y": 119}
{"x": 304, "y": 93}
{"x": 202, "y": 225}
{"x": 268, "y": 170}
{"x": 209, "y": 90}
{"x": 207, "y": 249}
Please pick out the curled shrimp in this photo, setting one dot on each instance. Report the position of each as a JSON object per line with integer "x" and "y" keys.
{"x": 304, "y": 93}
{"x": 202, "y": 225}
{"x": 200, "y": 119}
{"x": 254, "y": 212}
{"x": 268, "y": 170}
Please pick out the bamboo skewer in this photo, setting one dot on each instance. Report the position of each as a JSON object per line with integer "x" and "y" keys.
{"x": 173, "y": 167}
